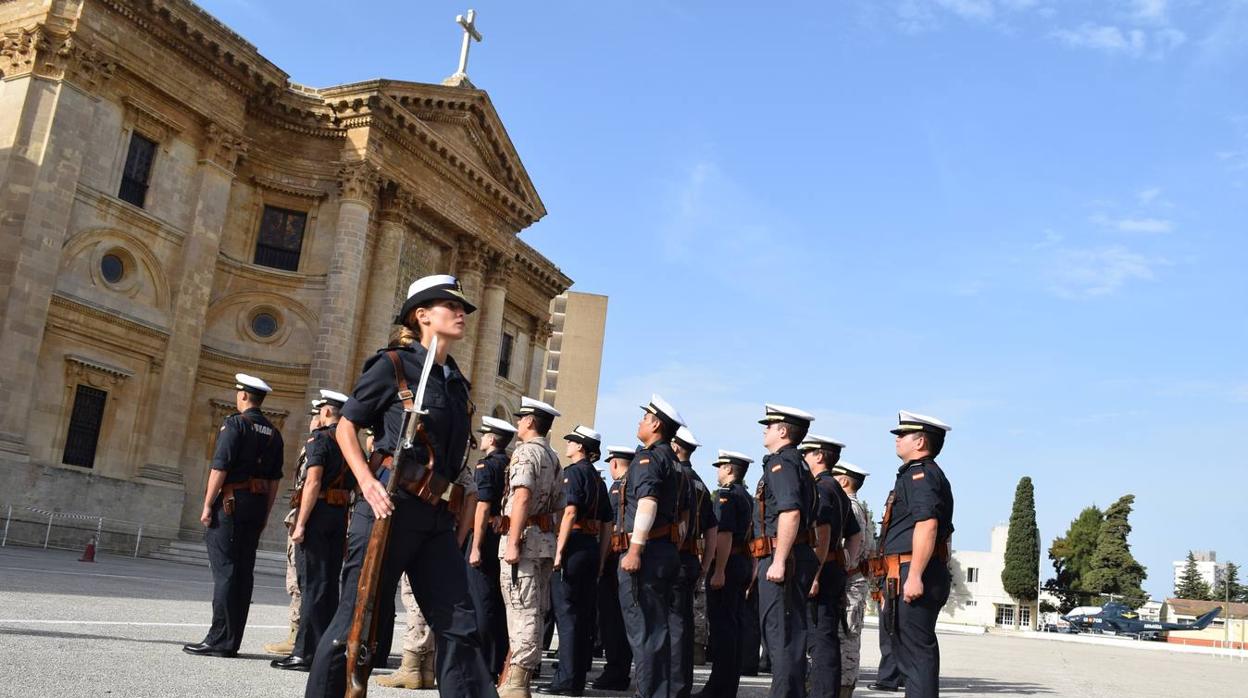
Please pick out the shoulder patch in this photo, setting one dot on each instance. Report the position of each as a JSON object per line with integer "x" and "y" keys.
{"x": 918, "y": 476}
{"x": 777, "y": 467}
{"x": 644, "y": 461}
{"x": 480, "y": 466}
{"x": 723, "y": 500}
{"x": 565, "y": 480}
{"x": 222, "y": 428}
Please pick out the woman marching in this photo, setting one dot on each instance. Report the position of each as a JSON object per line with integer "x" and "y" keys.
{"x": 422, "y": 536}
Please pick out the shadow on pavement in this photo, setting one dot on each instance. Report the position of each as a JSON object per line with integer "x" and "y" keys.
{"x": 962, "y": 685}
{"x": 85, "y": 636}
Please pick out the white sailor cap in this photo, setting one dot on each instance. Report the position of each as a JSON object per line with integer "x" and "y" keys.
{"x": 814, "y": 442}
{"x": 686, "y": 437}
{"x": 493, "y": 425}
{"x": 317, "y": 404}
{"x": 850, "y": 470}
{"x": 528, "y": 406}
{"x": 585, "y": 436}
{"x": 788, "y": 415}
{"x": 733, "y": 458}
{"x": 437, "y": 287}
{"x": 913, "y": 421}
{"x": 334, "y": 397}
{"x": 614, "y": 452}
{"x": 251, "y": 384}
{"x": 663, "y": 410}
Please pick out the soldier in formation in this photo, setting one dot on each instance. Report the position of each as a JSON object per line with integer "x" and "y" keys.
{"x": 615, "y": 647}
{"x": 242, "y": 484}
{"x": 857, "y": 592}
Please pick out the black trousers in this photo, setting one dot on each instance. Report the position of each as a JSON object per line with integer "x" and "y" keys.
{"x": 573, "y": 591}
{"x": 914, "y": 637}
{"x": 615, "y": 647}
{"x": 318, "y": 560}
{"x": 682, "y": 625}
{"x": 724, "y": 617}
{"x": 648, "y": 600}
{"x": 889, "y": 673}
{"x": 436, "y": 568}
{"x": 782, "y": 614}
{"x": 751, "y": 631}
{"x": 487, "y": 597}
{"x": 232, "y": 540}
{"x": 823, "y": 641}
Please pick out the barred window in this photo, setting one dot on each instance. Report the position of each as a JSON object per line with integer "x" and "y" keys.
{"x": 281, "y": 238}
{"x": 84, "y": 426}
{"x": 138, "y": 170}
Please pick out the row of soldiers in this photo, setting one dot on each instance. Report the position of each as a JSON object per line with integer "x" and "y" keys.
{"x": 485, "y": 549}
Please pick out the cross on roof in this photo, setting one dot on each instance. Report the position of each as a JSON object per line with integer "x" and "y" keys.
{"x": 469, "y": 23}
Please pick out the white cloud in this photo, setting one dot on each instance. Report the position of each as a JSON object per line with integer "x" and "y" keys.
{"x": 1150, "y": 10}
{"x": 1107, "y": 38}
{"x": 1094, "y": 272}
{"x": 1148, "y": 196}
{"x": 1134, "y": 225}
{"x": 970, "y": 9}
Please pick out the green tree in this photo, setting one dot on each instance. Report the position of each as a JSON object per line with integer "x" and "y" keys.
{"x": 1191, "y": 585}
{"x": 1114, "y": 570}
{"x": 1021, "y": 575}
{"x": 1230, "y": 588}
{"x": 1072, "y": 558}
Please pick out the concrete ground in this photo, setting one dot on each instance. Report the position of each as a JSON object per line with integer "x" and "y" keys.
{"x": 115, "y": 628}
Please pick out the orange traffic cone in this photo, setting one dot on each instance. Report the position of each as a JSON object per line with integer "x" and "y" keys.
{"x": 88, "y": 555}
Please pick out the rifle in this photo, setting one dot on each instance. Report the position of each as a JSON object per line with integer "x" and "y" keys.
{"x": 362, "y": 639}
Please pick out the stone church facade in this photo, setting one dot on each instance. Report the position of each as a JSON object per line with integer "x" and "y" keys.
{"x": 173, "y": 210}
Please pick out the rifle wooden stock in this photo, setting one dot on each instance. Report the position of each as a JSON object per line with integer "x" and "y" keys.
{"x": 362, "y": 639}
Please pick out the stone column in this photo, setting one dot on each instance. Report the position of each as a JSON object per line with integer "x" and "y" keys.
{"x": 537, "y": 367}
{"x": 489, "y": 337}
{"x": 333, "y": 349}
{"x": 214, "y": 176}
{"x": 473, "y": 258}
{"x": 383, "y": 275}
{"x": 44, "y": 123}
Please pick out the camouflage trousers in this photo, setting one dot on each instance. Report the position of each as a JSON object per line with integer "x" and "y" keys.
{"x": 700, "y": 630}
{"x": 526, "y": 599}
{"x": 419, "y": 636}
{"x": 856, "y": 594}
{"x": 292, "y": 582}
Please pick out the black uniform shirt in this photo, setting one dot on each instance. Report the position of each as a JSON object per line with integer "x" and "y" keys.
{"x": 617, "y": 512}
{"x": 652, "y": 474}
{"x": 322, "y": 450}
{"x": 786, "y": 486}
{"x": 489, "y": 475}
{"x": 835, "y": 510}
{"x": 921, "y": 492}
{"x": 375, "y": 402}
{"x": 695, "y": 498}
{"x": 248, "y": 446}
{"x": 584, "y": 489}
{"x": 735, "y": 512}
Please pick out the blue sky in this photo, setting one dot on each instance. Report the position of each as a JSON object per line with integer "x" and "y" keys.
{"x": 1026, "y": 217}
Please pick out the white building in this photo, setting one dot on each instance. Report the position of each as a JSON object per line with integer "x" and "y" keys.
{"x": 978, "y": 597}
{"x": 1207, "y": 564}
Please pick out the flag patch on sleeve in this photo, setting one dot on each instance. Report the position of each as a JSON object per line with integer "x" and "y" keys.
{"x": 918, "y": 476}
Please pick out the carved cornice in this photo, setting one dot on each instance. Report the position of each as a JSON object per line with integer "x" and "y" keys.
{"x": 285, "y": 187}
{"x": 94, "y": 373}
{"x": 55, "y": 53}
{"x": 500, "y": 271}
{"x": 542, "y": 329}
{"x": 399, "y": 205}
{"x": 222, "y": 147}
{"x": 539, "y": 271}
{"x": 474, "y": 256}
{"x": 358, "y": 181}
{"x": 150, "y": 121}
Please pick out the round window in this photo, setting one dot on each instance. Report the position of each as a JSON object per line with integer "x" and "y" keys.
{"x": 112, "y": 268}
{"x": 264, "y": 324}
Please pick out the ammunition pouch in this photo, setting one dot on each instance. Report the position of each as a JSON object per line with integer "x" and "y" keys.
{"x": 621, "y": 541}
{"x": 425, "y": 484}
{"x": 253, "y": 485}
{"x": 544, "y": 522}
{"x": 763, "y": 546}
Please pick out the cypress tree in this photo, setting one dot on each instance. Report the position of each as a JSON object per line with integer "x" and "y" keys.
{"x": 1191, "y": 585}
{"x": 1114, "y": 570}
{"x": 1230, "y": 588}
{"x": 1020, "y": 577}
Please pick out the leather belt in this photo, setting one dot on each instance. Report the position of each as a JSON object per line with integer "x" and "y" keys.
{"x": 588, "y": 526}
{"x": 763, "y": 546}
{"x": 620, "y": 541}
{"x": 253, "y": 485}
{"x": 428, "y": 486}
{"x": 546, "y": 522}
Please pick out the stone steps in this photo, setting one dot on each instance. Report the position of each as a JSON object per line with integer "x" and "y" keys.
{"x": 196, "y": 553}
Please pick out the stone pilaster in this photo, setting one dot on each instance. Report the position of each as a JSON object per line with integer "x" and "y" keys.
{"x": 44, "y": 122}
{"x": 219, "y": 154}
{"x": 333, "y": 349}
{"x": 474, "y": 257}
{"x": 383, "y": 273}
{"x": 537, "y": 368}
{"x": 489, "y": 336}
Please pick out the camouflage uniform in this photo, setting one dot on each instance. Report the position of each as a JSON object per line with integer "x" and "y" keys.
{"x": 699, "y": 620}
{"x": 857, "y": 592}
{"x": 535, "y": 466}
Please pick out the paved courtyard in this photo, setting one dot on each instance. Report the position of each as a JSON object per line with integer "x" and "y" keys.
{"x": 115, "y": 628}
